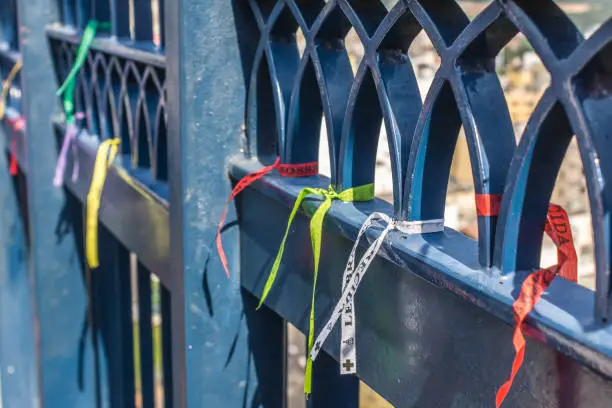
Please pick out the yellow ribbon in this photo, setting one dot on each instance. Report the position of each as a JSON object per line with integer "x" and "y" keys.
{"x": 361, "y": 193}
{"x": 104, "y": 159}
{"x": 6, "y": 86}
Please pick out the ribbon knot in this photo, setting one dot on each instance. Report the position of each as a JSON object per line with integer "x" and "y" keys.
{"x": 285, "y": 170}
{"x": 351, "y": 280}
{"x": 330, "y": 193}
{"x": 361, "y": 193}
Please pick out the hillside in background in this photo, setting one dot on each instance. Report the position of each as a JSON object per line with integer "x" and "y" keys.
{"x": 586, "y": 14}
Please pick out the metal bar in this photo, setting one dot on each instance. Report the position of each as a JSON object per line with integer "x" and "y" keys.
{"x": 56, "y": 261}
{"x": 455, "y": 266}
{"x": 198, "y": 145}
{"x": 102, "y": 13}
{"x": 18, "y": 351}
{"x": 113, "y": 323}
{"x": 166, "y": 345}
{"x": 147, "y": 379}
{"x": 143, "y": 24}
{"x": 120, "y": 17}
{"x": 68, "y": 12}
{"x": 268, "y": 346}
{"x": 83, "y": 13}
{"x": 110, "y": 46}
{"x": 162, "y": 23}
{"x": 429, "y": 318}
{"x": 329, "y": 388}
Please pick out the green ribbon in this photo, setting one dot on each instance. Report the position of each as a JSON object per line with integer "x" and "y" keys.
{"x": 67, "y": 88}
{"x": 361, "y": 193}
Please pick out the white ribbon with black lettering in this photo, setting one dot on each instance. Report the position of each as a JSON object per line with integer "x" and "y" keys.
{"x": 352, "y": 278}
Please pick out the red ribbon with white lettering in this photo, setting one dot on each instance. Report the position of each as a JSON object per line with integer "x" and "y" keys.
{"x": 285, "y": 170}
{"x": 558, "y": 229}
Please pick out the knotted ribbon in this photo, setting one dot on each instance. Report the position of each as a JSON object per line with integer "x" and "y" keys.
{"x": 361, "y": 193}
{"x": 67, "y": 89}
{"x": 285, "y": 170}
{"x": 351, "y": 280}
{"x": 104, "y": 159}
{"x": 558, "y": 228}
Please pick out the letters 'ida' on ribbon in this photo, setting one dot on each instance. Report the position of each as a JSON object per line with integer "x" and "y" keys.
{"x": 558, "y": 228}
{"x": 352, "y": 278}
{"x": 67, "y": 89}
{"x": 285, "y": 170}
{"x": 104, "y": 159}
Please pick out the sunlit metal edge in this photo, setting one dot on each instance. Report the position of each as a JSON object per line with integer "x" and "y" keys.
{"x": 567, "y": 326}
{"x": 110, "y": 45}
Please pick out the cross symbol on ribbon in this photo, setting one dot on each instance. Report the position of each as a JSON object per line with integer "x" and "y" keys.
{"x": 353, "y": 276}
{"x": 348, "y": 365}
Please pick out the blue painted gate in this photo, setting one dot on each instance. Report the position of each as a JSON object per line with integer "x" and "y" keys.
{"x": 203, "y": 92}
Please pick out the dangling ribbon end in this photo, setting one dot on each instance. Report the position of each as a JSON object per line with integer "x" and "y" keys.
{"x": 13, "y": 168}
{"x": 220, "y": 248}
{"x": 501, "y": 394}
{"x": 308, "y": 378}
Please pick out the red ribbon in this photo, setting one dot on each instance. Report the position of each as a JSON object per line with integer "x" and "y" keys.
{"x": 285, "y": 170}
{"x": 18, "y": 125}
{"x": 13, "y": 163}
{"x": 558, "y": 229}
{"x": 488, "y": 205}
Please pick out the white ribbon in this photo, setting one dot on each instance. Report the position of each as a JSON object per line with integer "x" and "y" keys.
{"x": 352, "y": 277}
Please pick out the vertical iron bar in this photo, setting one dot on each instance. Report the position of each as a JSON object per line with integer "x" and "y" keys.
{"x": 18, "y": 362}
{"x": 113, "y": 303}
{"x": 329, "y": 388}
{"x": 120, "y": 17}
{"x": 143, "y": 30}
{"x": 162, "y": 23}
{"x": 206, "y": 306}
{"x": 83, "y": 13}
{"x": 55, "y": 260}
{"x": 166, "y": 345}
{"x": 147, "y": 379}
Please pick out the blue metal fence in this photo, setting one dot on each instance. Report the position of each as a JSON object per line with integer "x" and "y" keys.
{"x": 197, "y": 88}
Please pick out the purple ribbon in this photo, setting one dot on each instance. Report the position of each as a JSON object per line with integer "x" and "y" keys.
{"x": 60, "y": 169}
{"x": 69, "y": 137}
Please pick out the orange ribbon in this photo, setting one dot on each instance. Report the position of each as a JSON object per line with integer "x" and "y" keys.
{"x": 558, "y": 229}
